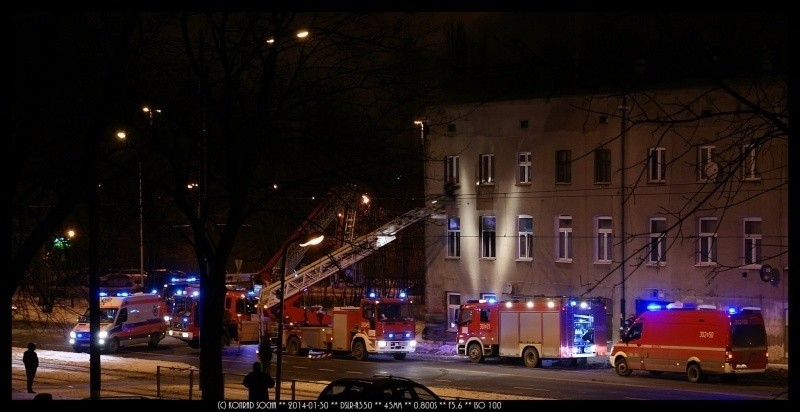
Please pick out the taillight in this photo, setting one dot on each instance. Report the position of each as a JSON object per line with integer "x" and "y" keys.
{"x": 728, "y": 354}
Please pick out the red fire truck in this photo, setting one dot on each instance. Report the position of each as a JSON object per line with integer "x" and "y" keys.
{"x": 184, "y": 322}
{"x": 532, "y": 329}
{"x": 696, "y": 340}
{"x": 378, "y": 326}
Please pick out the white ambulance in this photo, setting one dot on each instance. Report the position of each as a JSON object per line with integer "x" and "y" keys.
{"x": 124, "y": 320}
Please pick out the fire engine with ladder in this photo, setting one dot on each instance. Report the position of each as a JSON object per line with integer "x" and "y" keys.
{"x": 532, "y": 329}
{"x": 382, "y": 325}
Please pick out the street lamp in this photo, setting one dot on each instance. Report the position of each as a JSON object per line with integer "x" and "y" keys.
{"x": 304, "y": 241}
{"x": 122, "y": 136}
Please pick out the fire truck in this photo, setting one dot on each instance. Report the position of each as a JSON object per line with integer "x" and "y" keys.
{"x": 184, "y": 319}
{"x": 378, "y": 326}
{"x": 532, "y": 329}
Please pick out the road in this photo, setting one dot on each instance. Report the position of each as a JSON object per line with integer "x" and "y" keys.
{"x": 450, "y": 376}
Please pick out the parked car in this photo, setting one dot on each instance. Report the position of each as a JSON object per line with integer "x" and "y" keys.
{"x": 376, "y": 388}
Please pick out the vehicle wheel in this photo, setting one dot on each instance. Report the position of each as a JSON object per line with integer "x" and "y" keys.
{"x": 531, "y": 357}
{"x": 694, "y": 374}
{"x": 293, "y": 346}
{"x": 729, "y": 378}
{"x": 154, "y": 339}
{"x": 77, "y": 349}
{"x": 475, "y": 353}
{"x": 622, "y": 367}
{"x": 656, "y": 373}
{"x": 360, "y": 351}
{"x": 113, "y": 345}
{"x": 399, "y": 356}
{"x": 194, "y": 344}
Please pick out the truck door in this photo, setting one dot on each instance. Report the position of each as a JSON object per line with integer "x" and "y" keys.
{"x": 636, "y": 353}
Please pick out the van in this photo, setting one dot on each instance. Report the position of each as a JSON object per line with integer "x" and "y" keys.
{"x": 699, "y": 342}
{"x": 124, "y": 320}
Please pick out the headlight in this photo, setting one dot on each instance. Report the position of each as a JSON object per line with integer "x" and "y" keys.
{"x": 166, "y": 318}
{"x": 72, "y": 334}
{"x": 381, "y": 343}
{"x": 412, "y": 343}
{"x": 103, "y": 334}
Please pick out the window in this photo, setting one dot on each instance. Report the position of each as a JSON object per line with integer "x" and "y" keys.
{"x": 707, "y": 169}
{"x": 451, "y": 170}
{"x": 564, "y": 247}
{"x": 658, "y": 241}
{"x": 453, "y": 237}
{"x": 524, "y": 168}
{"x": 707, "y": 241}
{"x": 602, "y": 239}
{"x": 453, "y": 303}
{"x": 602, "y": 166}
{"x": 752, "y": 240}
{"x": 487, "y": 169}
{"x": 488, "y": 233}
{"x": 563, "y": 166}
{"x": 750, "y": 168}
{"x": 657, "y": 165}
{"x": 525, "y": 230}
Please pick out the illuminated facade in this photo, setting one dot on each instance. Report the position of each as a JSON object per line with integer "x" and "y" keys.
{"x": 604, "y": 197}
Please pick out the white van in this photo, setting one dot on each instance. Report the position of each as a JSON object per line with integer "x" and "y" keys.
{"x": 124, "y": 320}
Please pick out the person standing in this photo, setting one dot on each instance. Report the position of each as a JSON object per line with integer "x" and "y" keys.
{"x": 258, "y": 383}
{"x": 31, "y": 361}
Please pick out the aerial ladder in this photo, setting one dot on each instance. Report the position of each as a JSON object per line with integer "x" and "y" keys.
{"x": 342, "y": 197}
{"x": 343, "y": 257}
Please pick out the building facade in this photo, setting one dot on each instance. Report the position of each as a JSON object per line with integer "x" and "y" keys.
{"x": 639, "y": 199}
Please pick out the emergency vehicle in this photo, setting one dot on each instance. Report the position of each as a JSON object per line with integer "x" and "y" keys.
{"x": 124, "y": 320}
{"x": 378, "y": 326}
{"x": 699, "y": 341}
{"x": 238, "y": 324}
{"x": 532, "y": 329}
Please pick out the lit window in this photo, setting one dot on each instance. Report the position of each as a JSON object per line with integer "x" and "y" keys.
{"x": 488, "y": 233}
{"x": 707, "y": 240}
{"x": 602, "y": 240}
{"x": 752, "y": 240}
{"x": 564, "y": 236}
{"x": 524, "y": 167}
{"x": 453, "y": 237}
{"x": 658, "y": 241}
{"x": 525, "y": 231}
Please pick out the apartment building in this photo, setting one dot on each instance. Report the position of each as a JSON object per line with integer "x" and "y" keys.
{"x": 641, "y": 199}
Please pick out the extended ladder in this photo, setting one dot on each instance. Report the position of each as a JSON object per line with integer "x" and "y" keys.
{"x": 343, "y": 257}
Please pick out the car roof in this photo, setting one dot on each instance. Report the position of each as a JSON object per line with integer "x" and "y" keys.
{"x": 371, "y": 386}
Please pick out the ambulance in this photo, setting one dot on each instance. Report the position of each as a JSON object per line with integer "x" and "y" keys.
{"x": 124, "y": 320}
{"x": 700, "y": 341}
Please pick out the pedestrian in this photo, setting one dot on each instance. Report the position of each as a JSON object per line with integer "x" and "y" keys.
{"x": 265, "y": 352}
{"x": 258, "y": 383}
{"x": 31, "y": 361}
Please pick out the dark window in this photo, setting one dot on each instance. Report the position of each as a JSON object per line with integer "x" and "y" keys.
{"x": 602, "y": 166}
{"x": 748, "y": 336}
{"x": 563, "y": 166}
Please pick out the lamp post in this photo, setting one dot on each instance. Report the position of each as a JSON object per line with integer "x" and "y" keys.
{"x": 306, "y": 240}
{"x": 122, "y": 136}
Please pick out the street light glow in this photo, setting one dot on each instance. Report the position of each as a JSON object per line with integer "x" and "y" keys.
{"x": 306, "y": 240}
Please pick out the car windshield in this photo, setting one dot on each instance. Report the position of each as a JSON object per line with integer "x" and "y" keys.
{"x": 106, "y": 316}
